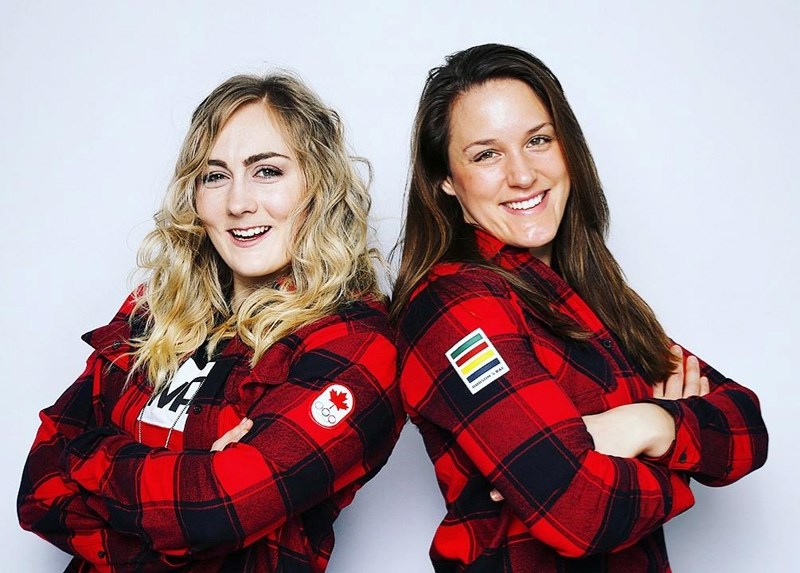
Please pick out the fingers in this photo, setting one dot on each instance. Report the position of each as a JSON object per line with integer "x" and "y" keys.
{"x": 691, "y": 379}
{"x": 673, "y": 389}
{"x": 705, "y": 387}
{"x": 685, "y": 380}
{"x": 496, "y": 495}
{"x": 233, "y": 435}
{"x": 243, "y": 427}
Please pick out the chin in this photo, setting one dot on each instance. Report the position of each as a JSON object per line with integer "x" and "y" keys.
{"x": 538, "y": 240}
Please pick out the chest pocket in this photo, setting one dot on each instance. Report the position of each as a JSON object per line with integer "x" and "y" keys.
{"x": 582, "y": 370}
{"x": 591, "y": 364}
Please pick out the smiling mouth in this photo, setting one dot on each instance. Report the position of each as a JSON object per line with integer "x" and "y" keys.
{"x": 527, "y": 203}
{"x": 250, "y": 234}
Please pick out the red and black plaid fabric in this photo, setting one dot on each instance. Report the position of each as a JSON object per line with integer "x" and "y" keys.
{"x": 568, "y": 508}
{"x": 266, "y": 503}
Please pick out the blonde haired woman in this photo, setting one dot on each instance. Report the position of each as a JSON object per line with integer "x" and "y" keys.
{"x": 246, "y": 390}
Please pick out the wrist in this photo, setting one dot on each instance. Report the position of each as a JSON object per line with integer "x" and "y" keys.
{"x": 662, "y": 431}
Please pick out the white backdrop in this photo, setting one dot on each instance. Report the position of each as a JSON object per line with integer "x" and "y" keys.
{"x": 690, "y": 110}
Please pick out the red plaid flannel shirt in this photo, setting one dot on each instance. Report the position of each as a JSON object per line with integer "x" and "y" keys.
{"x": 568, "y": 508}
{"x": 266, "y": 503}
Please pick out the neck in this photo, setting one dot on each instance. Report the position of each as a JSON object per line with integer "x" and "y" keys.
{"x": 544, "y": 254}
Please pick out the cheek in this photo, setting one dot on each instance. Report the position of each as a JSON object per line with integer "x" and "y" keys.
{"x": 213, "y": 213}
{"x": 285, "y": 203}
{"x": 557, "y": 167}
{"x": 283, "y": 209}
{"x": 474, "y": 189}
{"x": 205, "y": 207}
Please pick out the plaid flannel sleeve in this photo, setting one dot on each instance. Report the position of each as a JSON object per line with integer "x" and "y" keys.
{"x": 51, "y": 505}
{"x": 521, "y": 431}
{"x": 719, "y": 437}
{"x": 191, "y": 502}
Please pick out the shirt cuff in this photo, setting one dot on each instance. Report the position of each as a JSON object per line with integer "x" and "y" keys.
{"x": 684, "y": 453}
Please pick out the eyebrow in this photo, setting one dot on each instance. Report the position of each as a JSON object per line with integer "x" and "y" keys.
{"x": 261, "y": 156}
{"x": 530, "y": 132}
{"x": 250, "y": 160}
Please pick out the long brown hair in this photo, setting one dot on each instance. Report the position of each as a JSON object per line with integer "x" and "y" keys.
{"x": 434, "y": 229}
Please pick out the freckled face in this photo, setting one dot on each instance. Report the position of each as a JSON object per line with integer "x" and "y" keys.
{"x": 251, "y": 185}
{"x": 507, "y": 169}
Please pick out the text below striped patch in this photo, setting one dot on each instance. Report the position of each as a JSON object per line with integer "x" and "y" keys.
{"x": 476, "y": 360}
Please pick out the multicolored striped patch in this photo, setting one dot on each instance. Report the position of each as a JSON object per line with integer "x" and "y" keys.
{"x": 476, "y": 360}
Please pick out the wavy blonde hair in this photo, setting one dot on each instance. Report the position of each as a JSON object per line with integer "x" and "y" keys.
{"x": 187, "y": 295}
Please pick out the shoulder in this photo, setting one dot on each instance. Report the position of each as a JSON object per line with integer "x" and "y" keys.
{"x": 462, "y": 277}
{"x": 449, "y": 283}
{"x": 454, "y": 300}
{"x": 364, "y": 315}
{"x": 352, "y": 327}
{"x": 354, "y": 339}
{"x": 355, "y": 342}
{"x": 113, "y": 341}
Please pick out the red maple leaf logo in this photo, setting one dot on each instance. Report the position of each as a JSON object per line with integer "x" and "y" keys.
{"x": 339, "y": 400}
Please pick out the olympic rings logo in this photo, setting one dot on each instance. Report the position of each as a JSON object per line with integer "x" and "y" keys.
{"x": 325, "y": 412}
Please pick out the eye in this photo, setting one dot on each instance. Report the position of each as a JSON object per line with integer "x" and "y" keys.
{"x": 484, "y": 155}
{"x": 540, "y": 141}
{"x": 214, "y": 179}
{"x": 268, "y": 172}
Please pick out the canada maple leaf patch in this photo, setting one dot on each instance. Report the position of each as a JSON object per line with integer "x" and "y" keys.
{"x": 339, "y": 400}
{"x": 332, "y": 405}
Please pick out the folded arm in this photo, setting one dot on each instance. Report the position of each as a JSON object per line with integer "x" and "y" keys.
{"x": 189, "y": 502}
{"x": 521, "y": 431}
{"x": 720, "y": 436}
{"x": 53, "y": 506}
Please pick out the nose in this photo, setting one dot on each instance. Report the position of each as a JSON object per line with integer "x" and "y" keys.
{"x": 519, "y": 171}
{"x": 241, "y": 198}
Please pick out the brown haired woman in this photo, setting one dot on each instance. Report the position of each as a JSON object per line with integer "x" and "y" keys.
{"x": 244, "y": 393}
{"x": 562, "y": 423}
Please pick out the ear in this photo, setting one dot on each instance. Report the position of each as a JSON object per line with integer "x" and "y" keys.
{"x": 447, "y": 186}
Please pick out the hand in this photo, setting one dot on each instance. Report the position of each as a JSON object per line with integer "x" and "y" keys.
{"x": 233, "y": 435}
{"x": 627, "y": 431}
{"x": 631, "y": 430}
{"x": 682, "y": 383}
{"x": 643, "y": 429}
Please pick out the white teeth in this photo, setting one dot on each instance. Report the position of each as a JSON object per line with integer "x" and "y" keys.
{"x": 249, "y": 233}
{"x": 529, "y": 204}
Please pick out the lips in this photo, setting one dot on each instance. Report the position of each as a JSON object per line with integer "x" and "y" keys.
{"x": 249, "y": 234}
{"x": 527, "y": 203}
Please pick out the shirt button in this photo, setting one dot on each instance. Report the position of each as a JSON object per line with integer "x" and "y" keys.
{"x": 116, "y": 344}
{"x": 101, "y": 554}
{"x": 682, "y": 457}
{"x": 197, "y": 408}
{"x": 606, "y": 342}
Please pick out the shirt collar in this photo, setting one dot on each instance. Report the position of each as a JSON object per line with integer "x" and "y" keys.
{"x": 488, "y": 245}
{"x": 511, "y": 257}
{"x": 522, "y": 263}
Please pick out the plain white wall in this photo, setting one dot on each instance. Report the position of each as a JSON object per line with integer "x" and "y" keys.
{"x": 690, "y": 109}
